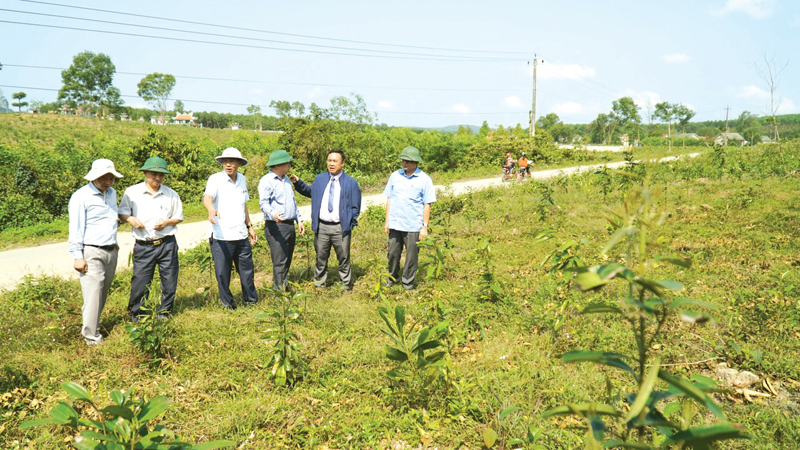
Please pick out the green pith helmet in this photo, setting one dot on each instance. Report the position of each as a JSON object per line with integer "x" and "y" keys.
{"x": 155, "y": 164}
{"x": 278, "y": 157}
{"x": 411, "y": 154}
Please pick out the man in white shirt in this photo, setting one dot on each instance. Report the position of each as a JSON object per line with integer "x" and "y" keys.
{"x": 224, "y": 199}
{"x": 154, "y": 211}
{"x": 93, "y": 242}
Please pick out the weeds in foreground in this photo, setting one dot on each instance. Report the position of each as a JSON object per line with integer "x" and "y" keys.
{"x": 149, "y": 334}
{"x": 646, "y": 308}
{"x": 287, "y": 363}
{"x": 125, "y": 424}
{"x": 417, "y": 371}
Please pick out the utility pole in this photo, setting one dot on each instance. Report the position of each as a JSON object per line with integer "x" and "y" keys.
{"x": 727, "y": 108}
{"x": 532, "y": 129}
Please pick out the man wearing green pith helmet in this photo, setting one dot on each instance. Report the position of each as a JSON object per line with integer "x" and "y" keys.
{"x": 409, "y": 194}
{"x": 154, "y": 211}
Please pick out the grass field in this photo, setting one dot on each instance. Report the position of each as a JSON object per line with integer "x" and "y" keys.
{"x": 737, "y": 220}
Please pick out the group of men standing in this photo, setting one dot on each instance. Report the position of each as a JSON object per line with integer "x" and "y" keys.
{"x": 154, "y": 211}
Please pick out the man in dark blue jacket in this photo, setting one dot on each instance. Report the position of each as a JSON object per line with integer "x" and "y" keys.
{"x": 335, "y": 207}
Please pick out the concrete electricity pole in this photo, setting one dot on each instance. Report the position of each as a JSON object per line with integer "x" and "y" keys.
{"x": 532, "y": 129}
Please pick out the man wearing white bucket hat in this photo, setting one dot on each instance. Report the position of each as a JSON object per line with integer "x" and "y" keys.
{"x": 93, "y": 242}
{"x": 224, "y": 199}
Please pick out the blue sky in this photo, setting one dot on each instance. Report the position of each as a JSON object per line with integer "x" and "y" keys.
{"x": 700, "y": 53}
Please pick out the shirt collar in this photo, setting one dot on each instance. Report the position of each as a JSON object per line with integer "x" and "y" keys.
{"x": 338, "y": 176}
{"x": 416, "y": 173}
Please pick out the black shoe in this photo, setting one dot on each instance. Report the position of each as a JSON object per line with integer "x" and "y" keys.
{"x": 164, "y": 317}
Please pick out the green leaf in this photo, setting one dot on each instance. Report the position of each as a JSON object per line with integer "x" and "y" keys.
{"x": 609, "y": 359}
{"x": 400, "y": 318}
{"x": 77, "y": 391}
{"x": 671, "y": 285}
{"x": 692, "y": 391}
{"x": 154, "y": 408}
{"x": 589, "y": 280}
{"x": 427, "y": 346}
{"x": 694, "y": 317}
{"x": 644, "y": 391}
{"x": 117, "y": 397}
{"x": 395, "y": 375}
{"x": 597, "y": 308}
{"x": 681, "y": 301}
{"x": 685, "y": 263}
{"x": 36, "y": 423}
{"x": 584, "y": 409}
{"x": 709, "y": 433}
{"x": 616, "y": 443}
{"x": 63, "y": 414}
{"x": 507, "y": 411}
{"x": 671, "y": 408}
{"x": 395, "y": 354}
{"x": 489, "y": 437}
{"x": 118, "y": 411}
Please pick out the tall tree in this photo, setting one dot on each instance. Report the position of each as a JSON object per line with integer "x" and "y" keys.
{"x": 255, "y": 110}
{"x": 484, "y": 131}
{"x": 88, "y": 81}
{"x": 18, "y": 96}
{"x": 667, "y": 112}
{"x": 3, "y": 101}
{"x": 548, "y": 121}
{"x": 178, "y": 106}
{"x": 770, "y": 72}
{"x": 155, "y": 89}
{"x": 625, "y": 115}
{"x": 684, "y": 115}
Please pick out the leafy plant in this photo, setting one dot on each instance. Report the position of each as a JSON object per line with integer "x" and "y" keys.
{"x": 437, "y": 267}
{"x": 287, "y": 363}
{"x": 125, "y": 424}
{"x": 380, "y": 280}
{"x": 646, "y": 308}
{"x": 417, "y": 371}
{"x": 489, "y": 287}
{"x": 149, "y": 334}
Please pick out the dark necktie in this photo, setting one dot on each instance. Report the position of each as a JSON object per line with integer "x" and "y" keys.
{"x": 330, "y": 195}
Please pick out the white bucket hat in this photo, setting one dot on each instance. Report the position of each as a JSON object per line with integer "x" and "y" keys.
{"x": 231, "y": 152}
{"x": 101, "y": 167}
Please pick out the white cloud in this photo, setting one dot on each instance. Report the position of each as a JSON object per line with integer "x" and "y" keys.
{"x": 461, "y": 108}
{"x": 787, "y": 107}
{"x": 676, "y": 58}
{"x": 753, "y": 92}
{"x": 567, "y": 108}
{"x": 383, "y": 104}
{"x": 547, "y": 71}
{"x": 642, "y": 98}
{"x": 513, "y": 102}
{"x": 757, "y": 9}
{"x": 314, "y": 93}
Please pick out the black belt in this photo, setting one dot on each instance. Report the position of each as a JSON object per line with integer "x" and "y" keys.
{"x": 328, "y": 223}
{"x": 163, "y": 240}
{"x": 107, "y": 248}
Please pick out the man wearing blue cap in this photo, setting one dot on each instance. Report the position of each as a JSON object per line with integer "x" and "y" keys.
{"x": 276, "y": 199}
{"x": 409, "y": 194}
{"x": 154, "y": 211}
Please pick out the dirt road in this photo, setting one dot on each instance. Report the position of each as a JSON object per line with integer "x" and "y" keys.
{"x": 55, "y": 260}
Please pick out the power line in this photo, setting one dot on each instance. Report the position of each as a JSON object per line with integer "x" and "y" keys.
{"x": 198, "y": 41}
{"x": 229, "y": 27}
{"x": 212, "y": 102}
{"x": 109, "y": 22}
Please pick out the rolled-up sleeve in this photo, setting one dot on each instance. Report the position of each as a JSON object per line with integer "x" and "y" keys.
{"x": 264, "y": 196}
{"x": 77, "y": 226}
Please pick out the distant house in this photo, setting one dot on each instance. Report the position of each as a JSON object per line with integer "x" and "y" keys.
{"x": 184, "y": 119}
{"x": 724, "y": 138}
{"x": 158, "y": 120}
{"x": 686, "y": 136}
{"x": 65, "y": 110}
{"x": 235, "y": 126}
{"x": 766, "y": 140}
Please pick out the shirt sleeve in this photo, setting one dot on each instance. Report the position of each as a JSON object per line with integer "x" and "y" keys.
{"x": 125, "y": 206}
{"x": 264, "y": 195}
{"x": 211, "y": 188}
{"x": 387, "y": 191}
{"x": 77, "y": 226}
{"x": 177, "y": 207}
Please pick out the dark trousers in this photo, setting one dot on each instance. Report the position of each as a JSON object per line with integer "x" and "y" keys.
{"x": 328, "y": 236}
{"x": 281, "y": 239}
{"x": 145, "y": 259}
{"x": 398, "y": 240}
{"x": 226, "y": 254}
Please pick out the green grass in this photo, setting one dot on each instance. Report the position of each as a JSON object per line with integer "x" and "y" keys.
{"x": 739, "y": 227}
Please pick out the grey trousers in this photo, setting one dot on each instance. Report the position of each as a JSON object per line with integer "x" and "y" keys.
{"x": 145, "y": 259}
{"x": 398, "y": 240}
{"x": 327, "y": 236}
{"x": 281, "y": 239}
{"x": 95, "y": 284}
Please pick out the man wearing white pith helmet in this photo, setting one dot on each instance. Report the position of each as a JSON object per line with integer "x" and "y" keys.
{"x": 224, "y": 198}
{"x": 93, "y": 242}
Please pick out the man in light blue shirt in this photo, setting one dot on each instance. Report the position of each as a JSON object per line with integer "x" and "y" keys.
{"x": 276, "y": 199}
{"x": 93, "y": 242}
{"x": 225, "y": 200}
{"x": 409, "y": 194}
